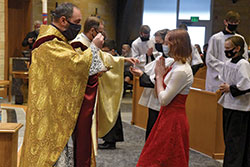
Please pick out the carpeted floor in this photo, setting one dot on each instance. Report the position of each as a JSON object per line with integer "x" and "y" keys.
{"x": 127, "y": 152}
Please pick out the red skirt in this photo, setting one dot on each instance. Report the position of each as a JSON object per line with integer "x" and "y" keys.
{"x": 168, "y": 142}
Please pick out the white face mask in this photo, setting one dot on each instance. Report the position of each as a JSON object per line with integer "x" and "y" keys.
{"x": 165, "y": 49}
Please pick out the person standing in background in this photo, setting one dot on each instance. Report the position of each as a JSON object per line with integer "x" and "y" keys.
{"x": 142, "y": 47}
{"x": 215, "y": 57}
{"x": 128, "y": 76}
{"x": 31, "y": 37}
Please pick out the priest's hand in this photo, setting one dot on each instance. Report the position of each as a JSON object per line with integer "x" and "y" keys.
{"x": 225, "y": 87}
{"x": 135, "y": 71}
{"x": 98, "y": 40}
{"x": 131, "y": 60}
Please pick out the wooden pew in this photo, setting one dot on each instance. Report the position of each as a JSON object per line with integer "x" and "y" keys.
{"x": 8, "y": 144}
{"x": 205, "y": 120}
{"x": 199, "y": 83}
{"x": 139, "y": 112}
{"x": 201, "y": 73}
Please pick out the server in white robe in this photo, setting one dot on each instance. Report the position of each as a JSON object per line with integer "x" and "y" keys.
{"x": 196, "y": 61}
{"x": 142, "y": 48}
{"x": 215, "y": 57}
{"x": 235, "y": 78}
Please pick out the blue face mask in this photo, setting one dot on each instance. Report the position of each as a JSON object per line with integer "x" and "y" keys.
{"x": 72, "y": 30}
{"x": 165, "y": 49}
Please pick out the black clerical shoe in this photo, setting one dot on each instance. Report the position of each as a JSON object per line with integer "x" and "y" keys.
{"x": 107, "y": 145}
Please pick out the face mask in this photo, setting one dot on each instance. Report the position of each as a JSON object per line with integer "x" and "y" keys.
{"x": 158, "y": 47}
{"x": 165, "y": 49}
{"x": 229, "y": 53}
{"x": 232, "y": 27}
{"x": 144, "y": 38}
{"x": 72, "y": 31}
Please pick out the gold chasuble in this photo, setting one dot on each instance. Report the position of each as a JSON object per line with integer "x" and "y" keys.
{"x": 110, "y": 90}
{"x": 57, "y": 79}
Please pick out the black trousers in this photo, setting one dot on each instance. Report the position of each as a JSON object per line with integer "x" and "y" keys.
{"x": 116, "y": 133}
{"x": 152, "y": 117}
{"x": 236, "y": 129}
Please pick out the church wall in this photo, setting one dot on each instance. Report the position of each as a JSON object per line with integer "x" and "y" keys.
{"x": 221, "y": 7}
{"x": 106, "y": 9}
{"x": 2, "y": 38}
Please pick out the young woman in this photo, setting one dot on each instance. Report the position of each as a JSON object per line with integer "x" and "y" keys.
{"x": 168, "y": 142}
{"x": 235, "y": 100}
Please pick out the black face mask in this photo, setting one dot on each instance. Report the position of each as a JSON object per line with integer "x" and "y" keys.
{"x": 229, "y": 53}
{"x": 232, "y": 27}
{"x": 158, "y": 47}
{"x": 144, "y": 38}
{"x": 72, "y": 30}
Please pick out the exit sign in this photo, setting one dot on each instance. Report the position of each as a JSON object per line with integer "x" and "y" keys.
{"x": 194, "y": 19}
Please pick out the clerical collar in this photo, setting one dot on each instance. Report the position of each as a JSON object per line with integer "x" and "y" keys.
{"x": 236, "y": 59}
{"x": 84, "y": 36}
{"x": 225, "y": 32}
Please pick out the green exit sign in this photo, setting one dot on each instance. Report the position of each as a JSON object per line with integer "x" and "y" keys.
{"x": 194, "y": 19}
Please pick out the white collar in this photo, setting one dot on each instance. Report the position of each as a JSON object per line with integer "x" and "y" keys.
{"x": 84, "y": 36}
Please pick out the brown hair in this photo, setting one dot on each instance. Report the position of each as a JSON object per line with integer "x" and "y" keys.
{"x": 91, "y": 22}
{"x": 232, "y": 16}
{"x": 161, "y": 33}
{"x": 180, "y": 45}
{"x": 237, "y": 41}
{"x": 145, "y": 29}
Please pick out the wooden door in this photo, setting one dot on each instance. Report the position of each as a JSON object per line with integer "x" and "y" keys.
{"x": 18, "y": 23}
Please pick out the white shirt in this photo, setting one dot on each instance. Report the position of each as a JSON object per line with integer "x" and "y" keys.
{"x": 236, "y": 74}
{"x": 196, "y": 58}
{"x": 215, "y": 59}
{"x": 178, "y": 81}
{"x": 148, "y": 97}
{"x": 139, "y": 50}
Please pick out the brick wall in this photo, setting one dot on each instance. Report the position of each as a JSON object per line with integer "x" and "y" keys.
{"x": 221, "y": 7}
{"x": 106, "y": 9}
{"x": 1, "y": 39}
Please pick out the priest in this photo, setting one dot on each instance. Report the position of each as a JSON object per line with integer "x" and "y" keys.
{"x": 58, "y": 80}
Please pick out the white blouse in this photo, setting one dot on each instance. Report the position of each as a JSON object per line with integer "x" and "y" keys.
{"x": 178, "y": 81}
{"x": 148, "y": 97}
